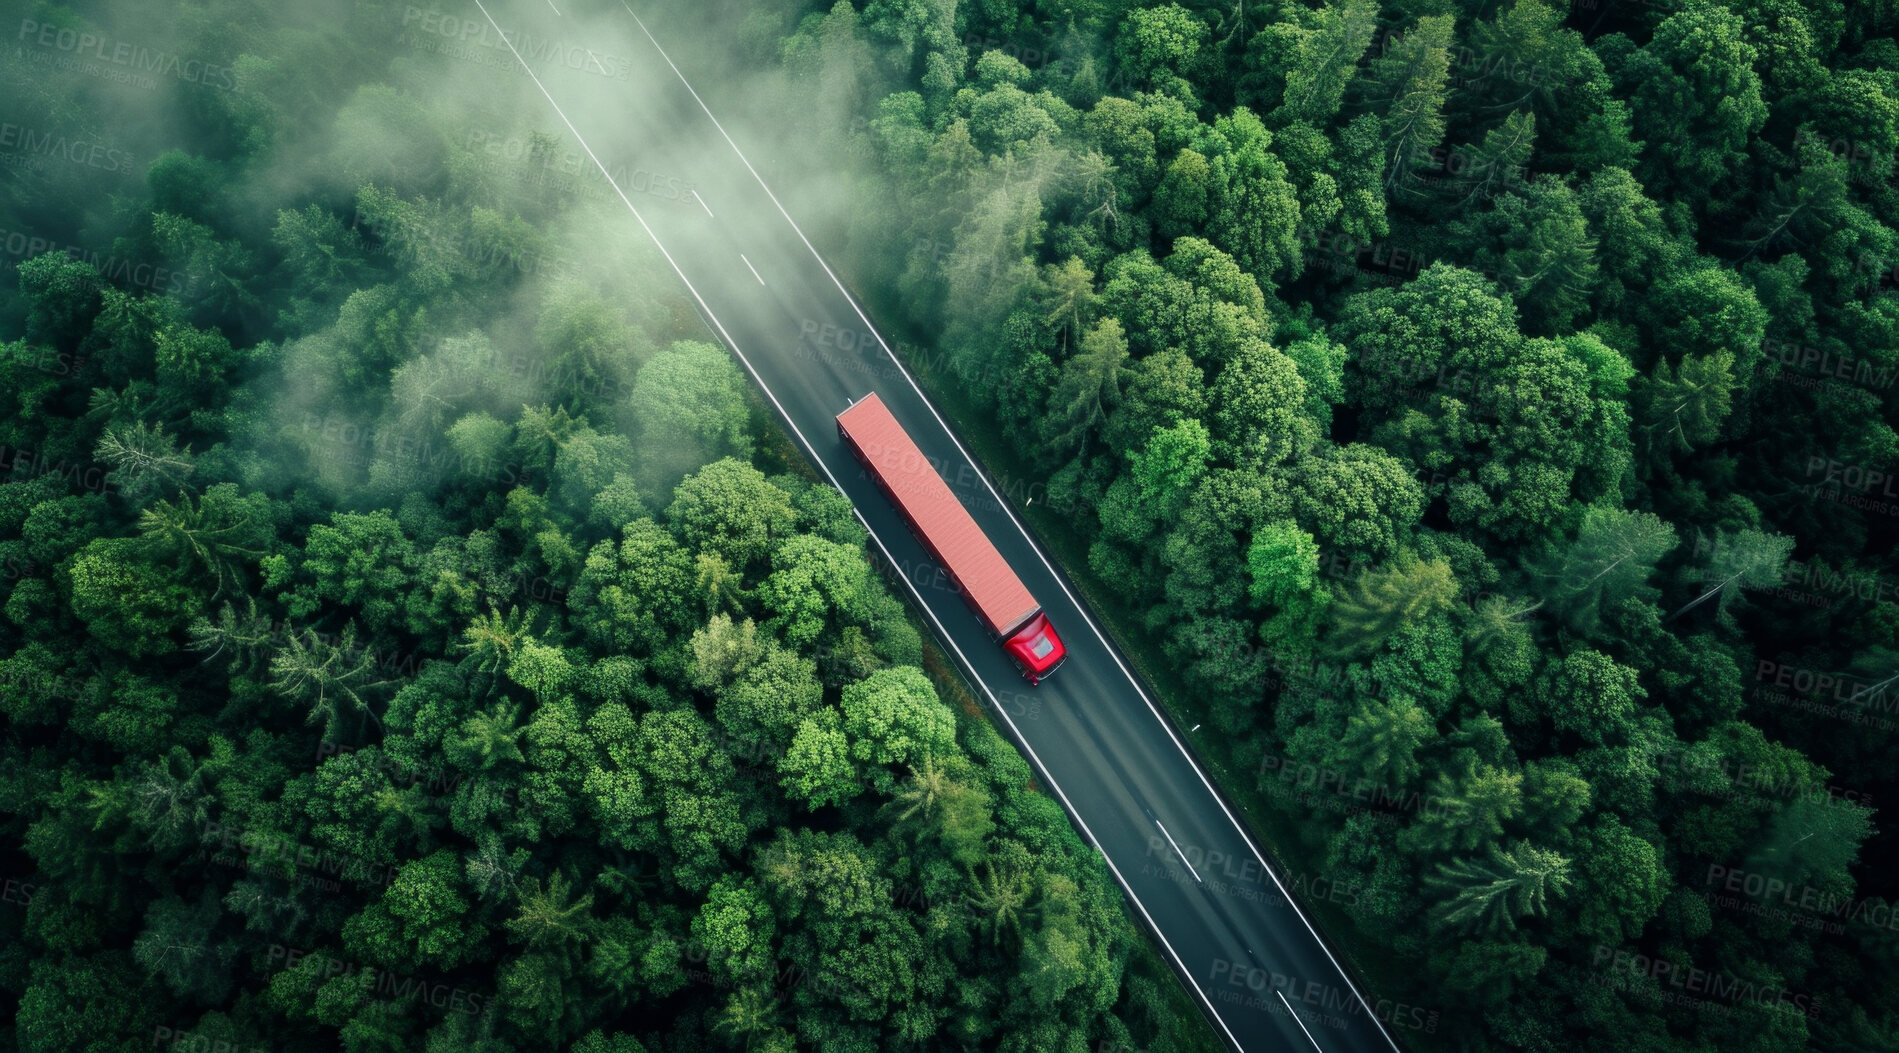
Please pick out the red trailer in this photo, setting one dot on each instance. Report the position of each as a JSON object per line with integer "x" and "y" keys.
{"x": 953, "y": 539}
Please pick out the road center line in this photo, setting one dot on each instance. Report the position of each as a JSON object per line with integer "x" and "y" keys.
{"x": 702, "y": 204}
{"x": 1295, "y": 1019}
{"x": 1178, "y": 852}
{"x": 983, "y": 476}
{"x": 911, "y": 586}
{"x": 749, "y": 267}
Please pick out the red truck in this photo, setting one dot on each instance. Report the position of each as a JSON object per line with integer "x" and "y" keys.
{"x": 953, "y": 539}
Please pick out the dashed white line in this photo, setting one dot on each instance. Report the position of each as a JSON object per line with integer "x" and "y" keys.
{"x": 1037, "y": 549}
{"x": 1295, "y": 1019}
{"x": 749, "y": 267}
{"x": 702, "y": 204}
{"x": 915, "y": 591}
{"x": 596, "y": 63}
{"x": 550, "y": 4}
{"x": 942, "y": 631}
{"x": 1178, "y": 852}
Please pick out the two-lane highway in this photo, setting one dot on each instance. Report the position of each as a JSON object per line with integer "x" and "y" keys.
{"x": 1223, "y": 917}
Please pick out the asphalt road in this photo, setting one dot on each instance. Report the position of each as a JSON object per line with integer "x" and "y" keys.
{"x": 1120, "y": 770}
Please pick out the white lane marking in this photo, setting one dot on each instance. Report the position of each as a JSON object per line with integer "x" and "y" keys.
{"x": 941, "y": 630}
{"x": 1059, "y": 583}
{"x": 702, "y": 204}
{"x": 749, "y": 267}
{"x": 1296, "y": 1020}
{"x": 550, "y": 3}
{"x": 1178, "y": 852}
{"x": 596, "y": 63}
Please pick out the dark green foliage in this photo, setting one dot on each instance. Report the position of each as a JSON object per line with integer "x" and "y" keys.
{"x": 1473, "y": 401}
{"x": 1479, "y": 402}
{"x": 384, "y": 616}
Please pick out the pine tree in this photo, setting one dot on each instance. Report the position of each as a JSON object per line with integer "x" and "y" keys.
{"x": 1090, "y": 385}
{"x": 1468, "y": 804}
{"x": 492, "y": 640}
{"x": 1612, "y": 559}
{"x": 750, "y": 1014}
{"x": 332, "y": 679}
{"x": 1410, "y": 82}
{"x": 144, "y": 460}
{"x": 1004, "y": 897}
{"x": 1068, "y": 289}
{"x": 1682, "y": 408}
{"x": 718, "y": 582}
{"x": 1489, "y": 893}
{"x": 1385, "y": 600}
{"x": 1327, "y": 61}
{"x": 1747, "y": 558}
{"x": 1382, "y": 739}
{"x": 242, "y": 639}
{"x": 551, "y": 917}
{"x": 1498, "y": 163}
{"x": 488, "y": 738}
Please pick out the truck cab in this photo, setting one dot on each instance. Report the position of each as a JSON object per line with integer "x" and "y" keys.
{"x": 1036, "y": 649}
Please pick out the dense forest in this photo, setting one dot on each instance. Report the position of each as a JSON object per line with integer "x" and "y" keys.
{"x": 1483, "y": 414}
{"x": 418, "y": 636}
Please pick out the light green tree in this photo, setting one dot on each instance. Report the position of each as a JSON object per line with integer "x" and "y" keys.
{"x": 1382, "y": 740}
{"x": 1741, "y": 560}
{"x": 1090, "y": 385}
{"x": 333, "y": 679}
{"x": 1611, "y": 560}
{"x": 1410, "y": 81}
{"x": 1489, "y": 893}
{"x": 1385, "y": 600}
